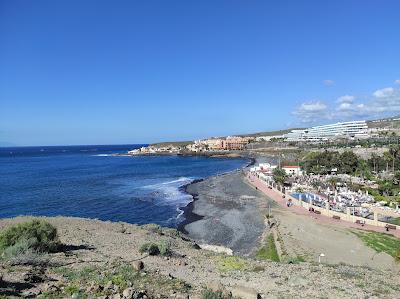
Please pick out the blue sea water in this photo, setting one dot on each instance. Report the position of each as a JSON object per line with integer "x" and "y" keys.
{"x": 87, "y": 181}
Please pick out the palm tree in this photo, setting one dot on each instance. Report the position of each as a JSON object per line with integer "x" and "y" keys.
{"x": 279, "y": 176}
{"x": 394, "y": 152}
{"x": 363, "y": 169}
{"x": 387, "y": 156}
{"x": 374, "y": 157}
{"x": 333, "y": 182}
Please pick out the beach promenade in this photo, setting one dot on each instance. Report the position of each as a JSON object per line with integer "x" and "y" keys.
{"x": 282, "y": 202}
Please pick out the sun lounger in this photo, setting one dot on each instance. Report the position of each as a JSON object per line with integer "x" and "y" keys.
{"x": 389, "y": 226}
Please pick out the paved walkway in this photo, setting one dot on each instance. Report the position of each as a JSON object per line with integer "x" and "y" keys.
{"x": 277, "y": 197}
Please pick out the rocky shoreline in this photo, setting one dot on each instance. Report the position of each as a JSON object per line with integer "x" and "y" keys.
{"x": 225, "y": 212}
{"x": 188, "y": 213}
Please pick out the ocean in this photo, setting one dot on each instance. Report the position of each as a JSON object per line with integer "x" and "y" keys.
{"x": 88, "y": 181}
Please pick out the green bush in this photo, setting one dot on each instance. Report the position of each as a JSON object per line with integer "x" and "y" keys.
{"x": 35, "y": 235}
{"x": 73, "y": 290}
{"x": 165, "y": 248}
{"x": 150, "y": 248}
{"x": 22, "y": 254}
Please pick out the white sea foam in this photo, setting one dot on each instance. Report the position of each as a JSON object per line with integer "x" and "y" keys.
{"x": 174, "y": 183}
{"x": 170, "y": 192}
{"x": 102, "y": 155}
{"x": 185, "y": 180}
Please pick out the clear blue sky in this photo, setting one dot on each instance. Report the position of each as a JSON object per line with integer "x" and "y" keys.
{"x": 100, "y": 72}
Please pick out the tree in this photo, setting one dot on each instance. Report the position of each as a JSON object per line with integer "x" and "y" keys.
{"x": 394, "y": 153}
{"x": 333, "y": 182}
{"x": 321, "y": 162}
{"x": 385, "y": 187}
{"x": 387, "y": 157}
{"x": 363, "y": 169}
{"x": 348, "y": 162}
{"x": 279, "y": 176}
{"x": 374, "y": 158}
{"x": 396, "y": 178}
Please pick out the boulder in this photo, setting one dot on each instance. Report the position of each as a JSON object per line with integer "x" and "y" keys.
{"x": 196, "y": 246}
{"x": 245, "y": 293}
{"x": 128, "y": 293}
{"x": 138, "y": 265}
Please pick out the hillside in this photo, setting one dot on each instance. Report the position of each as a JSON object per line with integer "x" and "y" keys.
{"x": 270, "y": 133}
{"x": 102, "y": 259}
{"x": 171, "y": 143}
{"x": 184, "y": 143}
{"x": 393, "y": 122}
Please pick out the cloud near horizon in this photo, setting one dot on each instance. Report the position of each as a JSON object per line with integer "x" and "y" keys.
{"x": 345, "y": 99}
{"x": 381, "y": 103}
{"x": 329, "y": 82}
{"x": 309, "y": 111}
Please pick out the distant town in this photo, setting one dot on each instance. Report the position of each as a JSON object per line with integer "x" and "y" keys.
{"x": 340, "y": 133}
{"x": 346, "y": 170}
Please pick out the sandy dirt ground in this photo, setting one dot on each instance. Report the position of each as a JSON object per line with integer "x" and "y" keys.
{"x": 94, "y": 242}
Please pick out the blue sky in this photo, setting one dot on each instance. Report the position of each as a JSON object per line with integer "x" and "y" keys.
{"x": 100, "y": 72}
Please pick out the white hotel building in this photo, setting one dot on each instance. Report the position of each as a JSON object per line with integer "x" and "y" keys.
{"x": 350, "y": 130}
